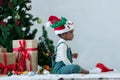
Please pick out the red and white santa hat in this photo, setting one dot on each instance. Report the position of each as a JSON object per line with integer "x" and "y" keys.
{"x": 60, "y": 25}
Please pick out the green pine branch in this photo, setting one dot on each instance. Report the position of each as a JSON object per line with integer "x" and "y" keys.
{"x": 45, "y": 49}
{"x": 19, "y": 25}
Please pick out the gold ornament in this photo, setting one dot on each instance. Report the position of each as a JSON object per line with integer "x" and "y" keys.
{"x": 39, "y": 20}
{"x": 17, "y": 16}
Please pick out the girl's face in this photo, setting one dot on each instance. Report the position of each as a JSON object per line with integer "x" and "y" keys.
{"x": 68, "y": 35}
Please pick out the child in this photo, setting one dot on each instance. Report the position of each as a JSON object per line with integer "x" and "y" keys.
{"x": 62, "y": 59}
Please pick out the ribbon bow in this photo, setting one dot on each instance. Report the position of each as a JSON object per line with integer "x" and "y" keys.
{"x": 23, "y": 54}
{"x": 6, "y": 67}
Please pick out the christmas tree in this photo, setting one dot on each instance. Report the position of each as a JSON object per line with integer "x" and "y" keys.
{"x": 45, "y": 49}
{"x": 15, "y": 22}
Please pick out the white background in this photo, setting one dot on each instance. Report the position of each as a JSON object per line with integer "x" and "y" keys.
{"x": 97, "y": 28}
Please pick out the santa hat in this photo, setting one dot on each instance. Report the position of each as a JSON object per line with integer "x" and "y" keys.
{"x": 60, "y": 25}
{"x": 100, "y": 67}
{"x": 103, "y": 67}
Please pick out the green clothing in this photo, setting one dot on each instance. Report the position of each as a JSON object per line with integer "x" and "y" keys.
{"x": 60, "y": 67}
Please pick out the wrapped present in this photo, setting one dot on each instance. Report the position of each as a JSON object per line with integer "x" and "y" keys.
{"x": 2, "y": 50}
{"x": 26, "y": 54}
{"x": 7, "y": 62}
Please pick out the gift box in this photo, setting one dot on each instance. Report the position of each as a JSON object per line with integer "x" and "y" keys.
{"x": 26, "y": 54}
{"x": 7, "y": 62}
{"x": 3, "y": 50}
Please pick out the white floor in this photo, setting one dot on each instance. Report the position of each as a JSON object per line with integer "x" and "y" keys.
{"x": 101, "y": 76}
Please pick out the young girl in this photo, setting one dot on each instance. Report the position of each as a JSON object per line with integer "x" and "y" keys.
{"x": 62, "y": 62}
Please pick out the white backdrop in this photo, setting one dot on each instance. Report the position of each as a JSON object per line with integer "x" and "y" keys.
{"x": 97, "y": 28}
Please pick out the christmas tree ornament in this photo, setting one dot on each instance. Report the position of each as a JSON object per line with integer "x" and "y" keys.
{"x": 39, "y": 21}
{"x": 17, "y": 22}
{"x": 31, "y": 73}
{"x": 47, "y": 67}
{"x": 25, "y": 72}
{"x": 46, "y": 71}
{"x": 13, "y": 72}
{"x": 17, "y": 16}
{"x": 47, "y": 54}
{"x": 9, "y": 73}
{"x": 41, "y": 71}
{"x": 3, "y": 23}
{"x": 19, "y": 73}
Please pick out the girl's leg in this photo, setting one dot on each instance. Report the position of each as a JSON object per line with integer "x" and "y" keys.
{"x": 69, "y": 69}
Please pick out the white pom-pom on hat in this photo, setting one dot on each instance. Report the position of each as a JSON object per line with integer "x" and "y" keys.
{"x": 47, "y": 24}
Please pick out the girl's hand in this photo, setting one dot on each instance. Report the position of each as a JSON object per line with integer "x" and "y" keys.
{"x": 74, "y": 55}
